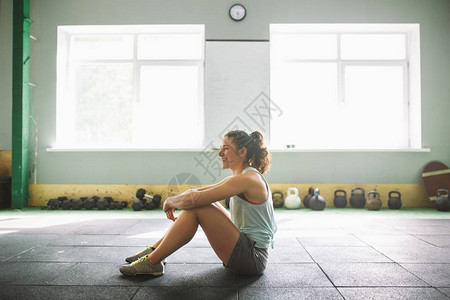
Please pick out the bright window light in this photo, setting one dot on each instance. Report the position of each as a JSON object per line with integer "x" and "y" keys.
{"x": 130, "y": 87}
{"x": 345, "y": 86}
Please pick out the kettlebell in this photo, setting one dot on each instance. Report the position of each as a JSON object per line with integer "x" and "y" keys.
{"x": 308, "y": 197}
{"x": 340, "y": 201}
{"x": 357, "y": 200}
{"x": 394, "y": 202}
{"x": 442, "y": 202}
{"x": 277, "y": 198}
{"x": 373, "y": 200}
{"x": 292, "y": 200}
{"x": 317, "y": 202}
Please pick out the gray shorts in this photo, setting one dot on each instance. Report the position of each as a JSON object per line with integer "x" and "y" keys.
{"x": 247, "y": 259}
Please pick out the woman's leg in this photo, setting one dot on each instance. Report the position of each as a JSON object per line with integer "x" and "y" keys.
{"x": 217, "y": 204}
{"x": 216, "y": 224}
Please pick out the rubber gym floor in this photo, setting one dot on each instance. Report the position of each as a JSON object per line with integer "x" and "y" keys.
{"x": 332, "y": 254}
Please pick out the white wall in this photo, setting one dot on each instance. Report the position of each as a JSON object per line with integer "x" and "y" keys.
{"x": 161, "y": 167}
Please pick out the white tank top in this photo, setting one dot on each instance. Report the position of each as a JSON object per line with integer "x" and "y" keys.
{"x": 254, "y": 220}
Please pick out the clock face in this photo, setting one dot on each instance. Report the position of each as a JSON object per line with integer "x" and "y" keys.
{"x": 237, "y": 12}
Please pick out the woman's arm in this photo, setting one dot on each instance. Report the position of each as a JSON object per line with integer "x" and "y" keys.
{"x": 207, "y": 187}
{"x": 228, "y": 187}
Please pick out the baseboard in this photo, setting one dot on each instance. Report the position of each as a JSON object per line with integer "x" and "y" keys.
{"x": 412, "y": 195}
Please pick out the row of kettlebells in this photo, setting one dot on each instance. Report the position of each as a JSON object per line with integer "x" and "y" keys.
{"x": 315, "y": 201}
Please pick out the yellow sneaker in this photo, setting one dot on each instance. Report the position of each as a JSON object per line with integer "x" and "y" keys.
{"x": 142, "y": 267}
{"x": 144, "y": 252}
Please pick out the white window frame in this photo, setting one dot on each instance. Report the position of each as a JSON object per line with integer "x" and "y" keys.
{"x": 65, "y": 101}
{"x": 410, "y": 65}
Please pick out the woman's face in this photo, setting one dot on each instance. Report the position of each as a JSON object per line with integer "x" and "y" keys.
{"x": 229, "y": 154}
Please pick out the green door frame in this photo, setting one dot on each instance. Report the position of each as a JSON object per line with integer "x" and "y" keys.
{"x": 20, "y": 103}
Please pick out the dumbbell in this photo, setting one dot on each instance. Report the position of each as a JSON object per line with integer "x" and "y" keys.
{"x": 66, "y": 204}
{"x": 103, "y": 203}
{"x": 77, "y": 204}
{"x": 53, "y": 204}
{"x": 123, "y": 204}
{"x": 117, "y": 205}
{"x": 138, "y": 204}
{"x": 155, "y": 200}
{"x": 90, "y": 203}
{"x": 113, "y": 205}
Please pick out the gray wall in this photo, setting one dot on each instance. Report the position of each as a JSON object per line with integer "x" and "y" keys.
{"x": 161, "y": 167}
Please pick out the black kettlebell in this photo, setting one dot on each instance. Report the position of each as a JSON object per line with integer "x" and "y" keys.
{"x": 308, "y": 197}
{"x": 395, "y": 202}
{"x": 340, "y": 198}
{"x": 442, "y": 202}
{"x": 317, "y": 202}
{"x": 357, "y": 200}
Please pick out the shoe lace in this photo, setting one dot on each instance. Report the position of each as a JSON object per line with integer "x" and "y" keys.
{"x": 143, "y": 258}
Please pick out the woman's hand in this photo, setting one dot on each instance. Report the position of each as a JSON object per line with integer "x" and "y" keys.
{"x": 169, "y": 210}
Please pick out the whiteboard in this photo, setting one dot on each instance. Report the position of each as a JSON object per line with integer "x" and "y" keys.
{"x": 237, "y": 80}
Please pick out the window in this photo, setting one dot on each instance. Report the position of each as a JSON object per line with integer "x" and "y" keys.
{"x": 130, "y": 87}
{"x": 345, "y": 86}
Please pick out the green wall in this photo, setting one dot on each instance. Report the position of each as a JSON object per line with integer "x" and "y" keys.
{"x": 160, "y": 167}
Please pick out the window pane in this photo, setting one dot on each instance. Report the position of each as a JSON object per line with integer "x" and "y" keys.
{"x": 102, "y": 47}
{"x": 375, "y": 105}
{"x": 103, "y": 109}
{"x": 373, "y": 46}
{"x": 169, "y": 111}
{"x": 170, "y": 46}
{"x": 304, "y": 46}
{"x": 307, "y": 94}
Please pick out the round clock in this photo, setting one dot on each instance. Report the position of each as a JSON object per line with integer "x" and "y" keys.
{"x": 237, "y": 12}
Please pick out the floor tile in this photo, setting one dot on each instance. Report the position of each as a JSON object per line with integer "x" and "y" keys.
{"x": 370, "y": 275}
{"x": 400, "y": 240}
{"x": 287, "y": 276}
{"x": 290, "y": 241}
{"x": 289, "y": 293}
{"x": 425, "y": 254}
{"x": 185, "y": 275}
{"x": 441, "y": 240}
{"x": 445, "y": 291}
{"x": 345, "y": 254}
{"x": 293, "y": 254}
{"x": 423, "y": 229}
{"x": 436, "y": 275}
{"x": 147, "y": 225}
{"x": 335, "y": 240}
{"x": 182, "y": 293}
{"x": 394, "y": 293}
{"x": 30, "y": 273}
{"x": 39, "y": 292}
{"x": 79, "y": 240}
{"x": 75, "y": 254}
{"x": 372, "y": 228}
{"x": 96, "y": 274}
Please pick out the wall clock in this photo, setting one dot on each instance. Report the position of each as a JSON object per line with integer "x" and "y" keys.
{"x": 237, "y": 12}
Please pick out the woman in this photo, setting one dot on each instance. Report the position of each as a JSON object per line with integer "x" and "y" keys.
{"x": 241, "y": 240}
